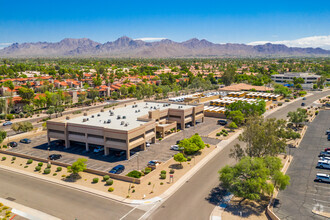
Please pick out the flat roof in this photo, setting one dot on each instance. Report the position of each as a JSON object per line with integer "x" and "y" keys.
{"x": 130, "y": 113}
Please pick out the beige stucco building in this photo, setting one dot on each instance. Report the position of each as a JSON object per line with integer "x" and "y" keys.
{"x": 125, "y": 128}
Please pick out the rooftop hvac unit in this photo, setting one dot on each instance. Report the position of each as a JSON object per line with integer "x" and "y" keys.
{"x": 124, "y": 117}
{"x": 155, "y": 107}
{"x": 146, "y": 103}
{"x": 104, "y": 122}
{"x": 109, "y": 121}
{"x": 87, "y": 119}
{"x": 118, "y": 117}
{"x": 126, "y": 124}
{"x": 92, "y": 116}
{"x": 98, "y": 115}
{"x": 133, "y": 106}
{"x": 111, "y": 113}
{"x": 84, "y": 119}
{"x": 122, "y": 122}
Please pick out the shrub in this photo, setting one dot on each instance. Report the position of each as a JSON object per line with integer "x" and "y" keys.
{"x": 135, "y": 174}
{"x": 47, "y": 171}
{"x": 163, "y": 172}
{"x": 58, "y": 169}
{"x": 4, "y": 146}
{"x": 54, "y": 174}
{"x": 218, "y": 134}
{"x": 147, "y": 169}
{"x": 160, "y": 139}
{"x": 109, "y": 182}
{"x": 63, "y": 175}
{"x": 188, "y": 158}
{"x": 26, "y": 166}
{"x": 13, "y": 158}
{"x": 106, "y": 177}
{"x": 287, "y": 100}
{"x": 133, "y": 191}
{"x": 280, "y": 104}
{"x": 161, "y": 183}
{"x": 49, "y": 165}
{"x": 40, "y": 164}
{"x": 149, "y": 183}
{"x": 29, "y": 161}
{"x": 3, "y": 158}
{"x": 111, "y": 189}
{"x": 95, "y": 180}
{"x": 163, "y": 176}
{"x": 171, "y": 171}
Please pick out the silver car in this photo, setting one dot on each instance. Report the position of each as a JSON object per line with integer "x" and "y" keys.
{"x": 321, "y": 177}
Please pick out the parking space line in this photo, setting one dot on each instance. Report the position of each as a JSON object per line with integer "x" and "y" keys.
{"x": 321, "y": 200}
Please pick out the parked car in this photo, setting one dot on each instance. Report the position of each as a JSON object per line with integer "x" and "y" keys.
{"x": 154, "y": 163}
{"x": 98, "y": 149}
{"x": 327, "y": 132}
{"x": 304, "y": 98}
{"x": 120, "y": 153}
{"x": 324, "y": 154}
{"x": 176, "y": 147}
{"x": 55, "y": 156}
{"x": 7, "y": 123}
{"x": 222, "y": 122}
{"x": 328, "y": 137}
{"x": 321, "y": 177}
{"x": 13, "y": 144}
{"x": 303, "y": 104}
{"x": 323, "y": 164}
{"x": 324, "y": 158}
{"x": 117, "y": 169}
{"x": 177, "y": 142}
{"x": 25, "y": 141}
{"x": 327, "y": 149}
{"x": 148, "y": 144}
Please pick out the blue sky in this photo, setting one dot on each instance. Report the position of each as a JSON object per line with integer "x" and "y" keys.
{"x": 217, "y": 21}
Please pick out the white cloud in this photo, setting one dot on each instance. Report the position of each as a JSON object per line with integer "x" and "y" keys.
{"x": 314, "y": 41}
{"x": 3, "y": 45}
{"x": 151, "y": 38}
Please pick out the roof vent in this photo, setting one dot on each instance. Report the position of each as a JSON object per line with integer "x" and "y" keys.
{"x": 118, "y": 117}
{"x": 133, "y": 106}
{"x": 126, "y": 124}
{"x": 122, "y": 122}
{"x": 92, "y": 116}
{"x": 146, "y": 103}
{"x": 98, "y": 115}
{"x": 104, "y": 122}
{"x": 87, "y": 119}
{"x": 124, "y": 117}
{"x": 136, "y": 111}
{"x": 109, "y": 121}
{"x": 111, "y": 113}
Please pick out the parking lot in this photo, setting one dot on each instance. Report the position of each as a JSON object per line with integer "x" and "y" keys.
{"x": 303, "y": 194}
{"x": 139, "y": 159}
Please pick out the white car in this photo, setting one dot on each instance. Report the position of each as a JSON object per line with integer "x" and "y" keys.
{"x": 323, "y": 164}
{"x": 148, "y": 144}
{"x": 176, "y": 147}
{"x": 324, "y": 158}
{"x": 98, "y": 149}
{"x": 320, "y": 177}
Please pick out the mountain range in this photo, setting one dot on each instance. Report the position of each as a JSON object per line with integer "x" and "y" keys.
{"x": 126, "y": 47}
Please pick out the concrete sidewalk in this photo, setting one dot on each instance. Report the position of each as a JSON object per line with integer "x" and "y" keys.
{"x": 26, "y": 212}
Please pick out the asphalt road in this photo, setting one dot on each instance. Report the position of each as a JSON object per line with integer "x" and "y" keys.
{"x": 303, "y": 195}
{"x": 196, "y": 198}
{"x": 59, "y": 201}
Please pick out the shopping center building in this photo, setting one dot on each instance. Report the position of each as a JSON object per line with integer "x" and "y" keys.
{"x": 126, "y": 127}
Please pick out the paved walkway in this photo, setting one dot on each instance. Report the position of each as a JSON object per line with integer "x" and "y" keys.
{"x": 26, "y": 212}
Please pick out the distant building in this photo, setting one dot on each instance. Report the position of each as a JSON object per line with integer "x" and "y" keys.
{"x": 287, "y": 78}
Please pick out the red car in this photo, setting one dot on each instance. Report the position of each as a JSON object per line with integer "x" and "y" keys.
{"x": 327, "y": 149}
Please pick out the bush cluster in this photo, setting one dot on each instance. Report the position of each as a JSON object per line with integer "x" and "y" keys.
{"x": 135, "y": 174}
{"x": 95, "y": 180}
{"x": 38, "y": 168}
{"x": 29, "y": 161}
{"x": 47, "y": 171}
